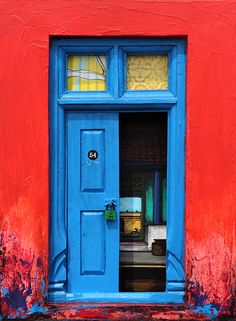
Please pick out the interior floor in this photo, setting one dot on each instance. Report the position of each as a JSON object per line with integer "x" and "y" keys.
{"x": 142, "y": 278}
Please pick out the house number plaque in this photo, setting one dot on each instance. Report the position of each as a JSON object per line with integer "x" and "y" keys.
{"x": 92, "y": 154}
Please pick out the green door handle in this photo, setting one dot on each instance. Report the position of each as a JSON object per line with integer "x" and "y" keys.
{"x": 110, "y": 210}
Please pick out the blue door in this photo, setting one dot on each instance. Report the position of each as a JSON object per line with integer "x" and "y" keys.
{"x": 93, "y": 184}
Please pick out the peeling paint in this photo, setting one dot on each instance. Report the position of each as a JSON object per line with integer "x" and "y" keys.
{"x": 24, "y": 295}
{"x": 23, "y": 281}
{"x": 211, "y": 283}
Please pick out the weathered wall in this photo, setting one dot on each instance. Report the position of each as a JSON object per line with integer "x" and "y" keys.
{"x": 210, "y": 27}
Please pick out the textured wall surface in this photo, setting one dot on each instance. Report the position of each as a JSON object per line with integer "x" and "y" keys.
{"x": 210, "y": 28}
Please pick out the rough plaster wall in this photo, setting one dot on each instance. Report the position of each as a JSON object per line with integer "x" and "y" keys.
{"x": 210, "y": 27}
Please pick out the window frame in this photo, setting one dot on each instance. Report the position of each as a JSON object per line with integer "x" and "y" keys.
{"x": 115, "y": 98}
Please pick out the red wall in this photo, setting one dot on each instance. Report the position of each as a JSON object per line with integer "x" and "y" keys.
{"x": 210, "y": 27}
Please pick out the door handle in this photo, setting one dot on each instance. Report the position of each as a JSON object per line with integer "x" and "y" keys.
{"x": 110, "y": 210}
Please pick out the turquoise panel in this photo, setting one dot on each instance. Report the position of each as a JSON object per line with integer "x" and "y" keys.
{"x": 164, "y": 200}
{"x": 149, "y": 200}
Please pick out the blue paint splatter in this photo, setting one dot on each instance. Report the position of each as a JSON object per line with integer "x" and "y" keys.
{"x": 36, "y": 308}
{"x": 39, "y": 262}
{"x": 207, "y": 310}
{"x": 15, "y": 316}
{"x": 199, "y": 299}
{"x": 196, "y": 294}
{"x": 44, "y": 290}
{"x": 4, "y": 291}
{"x": 15, "y": 299}
{"x": 24, "y": 263}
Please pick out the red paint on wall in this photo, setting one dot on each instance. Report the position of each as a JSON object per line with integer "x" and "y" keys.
{"x": 210, "y": 27}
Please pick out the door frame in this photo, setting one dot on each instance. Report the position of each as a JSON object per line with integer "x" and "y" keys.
{"x": 171, "y": 101}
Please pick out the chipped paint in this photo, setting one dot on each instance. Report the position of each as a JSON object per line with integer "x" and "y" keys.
{"x": 24, "y": 293}
{"x": 23, "y": 280}
{"x": 210, "y": 241}
{"x": 211, "y": 283}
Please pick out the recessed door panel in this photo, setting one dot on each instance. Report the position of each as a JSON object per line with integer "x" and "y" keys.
{"x": 92, "y": 160}
{"x": 93, "y": 181}
{"x": 93, "y": 255}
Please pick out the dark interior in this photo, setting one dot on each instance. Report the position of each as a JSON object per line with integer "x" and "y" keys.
{"x": 143, "y": 160}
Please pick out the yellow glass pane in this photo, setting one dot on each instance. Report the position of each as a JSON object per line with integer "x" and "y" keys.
{"x": 147, "y": 72}
{"x": 86, "y": 73}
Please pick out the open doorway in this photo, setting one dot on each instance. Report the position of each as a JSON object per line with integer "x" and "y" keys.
{"x": 143, "y": 170}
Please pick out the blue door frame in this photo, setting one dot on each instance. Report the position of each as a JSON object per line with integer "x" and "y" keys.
{"x": 116, "y": 99}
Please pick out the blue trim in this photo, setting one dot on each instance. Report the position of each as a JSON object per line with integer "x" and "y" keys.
{"x": 118, "y": 107}
{"x": 120, "y": 297}
{"x": 57, "y": 217}
{"x": 117, "y": 99}
{"x": 131, "y": 97}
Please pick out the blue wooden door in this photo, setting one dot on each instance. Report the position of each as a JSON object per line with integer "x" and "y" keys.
{"x": 93, "y": 179}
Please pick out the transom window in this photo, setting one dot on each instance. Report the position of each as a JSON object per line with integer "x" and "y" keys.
{"x": 85, "y": 73}
{"x": 147, "y": 72}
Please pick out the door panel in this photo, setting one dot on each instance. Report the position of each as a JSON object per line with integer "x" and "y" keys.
{"x": 93, "y": 178}
{"x": 92, "y": 141}
{"x": 92, "y": 252}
